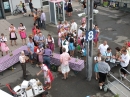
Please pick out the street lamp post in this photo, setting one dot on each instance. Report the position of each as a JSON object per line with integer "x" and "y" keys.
{"x": 89, "y": 39}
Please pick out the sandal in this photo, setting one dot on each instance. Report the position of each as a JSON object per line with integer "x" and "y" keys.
{"x": 49, "y": 88}
{"x": 63, "y": 78}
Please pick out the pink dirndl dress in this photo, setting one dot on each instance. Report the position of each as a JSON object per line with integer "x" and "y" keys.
{"x": 4, "y": 47}
{"x": 79, "y": 41}
{"x": 23, "y": 34}
{"x": 40, "y": 55}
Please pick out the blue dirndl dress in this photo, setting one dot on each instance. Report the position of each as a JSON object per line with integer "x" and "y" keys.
{"x": 84, "y": 52}
{"x": 71, "y": 46}
{"x": 96, "y": 67}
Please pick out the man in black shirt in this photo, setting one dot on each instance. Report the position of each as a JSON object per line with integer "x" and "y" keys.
{"x": 84, "y": 6}
{"x": 31, "y": 7}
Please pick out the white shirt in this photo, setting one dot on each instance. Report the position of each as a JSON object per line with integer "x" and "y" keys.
{"x": 22, "y": 59}
{"x": 103, "y": 48}
{"x": 43, "y": 17}
{"x": 73, "y": 26}
{"x": 125, "y": 58}
{"x": 79, "y": 33}
{"x": 65, "y": 46}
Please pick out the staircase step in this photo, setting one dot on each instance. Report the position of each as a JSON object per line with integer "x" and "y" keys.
{"x": 120, "y": 87}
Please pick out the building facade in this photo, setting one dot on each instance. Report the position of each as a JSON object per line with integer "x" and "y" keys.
{"x": 8, "y": 6}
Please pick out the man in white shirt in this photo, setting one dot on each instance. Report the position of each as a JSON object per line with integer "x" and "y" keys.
{"x": 103, "y": 47}
{"x": 73, "y": 26}
{"x": 124, "y": 62}
{"x": 43, "y": 19}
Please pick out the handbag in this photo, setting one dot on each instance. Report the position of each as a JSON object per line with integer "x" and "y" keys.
{"x": 54, "y": 68}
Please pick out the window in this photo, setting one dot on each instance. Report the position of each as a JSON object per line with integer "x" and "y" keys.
{"x": 26, "y": 1}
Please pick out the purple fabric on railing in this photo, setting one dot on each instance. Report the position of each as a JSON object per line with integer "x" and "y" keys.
{"x": 75, "y": 64}
{"x": 8, "y": 61}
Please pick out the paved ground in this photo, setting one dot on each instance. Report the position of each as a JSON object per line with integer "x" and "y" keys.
{"x": 114, "y": 26}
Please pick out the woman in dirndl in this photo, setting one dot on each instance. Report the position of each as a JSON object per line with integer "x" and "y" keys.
{"x": 4, "y": 46}
{"x": 71, "y": 46}
{"x": 69, "y": 9}
{"x": 96, "y": 60}
{"x": 22, "y": 32}
{"x": 50, "y": 42}
{"x": 66, "y": 25}
{"x": 13, "y": 36}
{"x": 96, "y": 36}
{"x": 39, "y": 52}
{"x": 59, "y": 25}
{"x": 48, "y": 77}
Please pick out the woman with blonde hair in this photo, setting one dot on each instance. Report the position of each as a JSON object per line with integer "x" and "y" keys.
{"x": 22, "y": 59}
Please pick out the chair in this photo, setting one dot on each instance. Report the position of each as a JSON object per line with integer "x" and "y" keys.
{"x": 11, "y": 90}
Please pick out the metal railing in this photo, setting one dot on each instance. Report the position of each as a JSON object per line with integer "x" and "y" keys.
{"x": 121, "y": 74}
{"x": 120, "y": 83}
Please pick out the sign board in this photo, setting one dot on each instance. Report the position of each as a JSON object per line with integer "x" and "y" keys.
{"x": 90, "y": 35}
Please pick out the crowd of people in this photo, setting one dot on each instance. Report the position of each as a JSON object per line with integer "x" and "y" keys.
{"x": 71, "y": 39}
{"x": 106, "y": 60}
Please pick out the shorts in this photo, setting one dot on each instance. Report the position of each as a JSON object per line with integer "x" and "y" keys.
{"x": 102, "y": 77}
{"x": 31, "y": 9}
{"x": 123, "y": 71}
{"x": 65, "y": 68}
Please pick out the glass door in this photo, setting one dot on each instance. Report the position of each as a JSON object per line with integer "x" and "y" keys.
{"x": 6, "y": 7}
{"x": 1, "y": 14}
{"x": 59, "y": 11}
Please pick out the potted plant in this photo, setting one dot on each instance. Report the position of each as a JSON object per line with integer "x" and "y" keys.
{"x": 117, "y": 95}
{"x": 11, "y": 54}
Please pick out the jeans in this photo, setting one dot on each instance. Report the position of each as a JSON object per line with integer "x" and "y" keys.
{"x": 46, "y": 60}
{"x": 43, "y": 25}
{"x": 39, "y": 22}
{"x": 23, "y": 65}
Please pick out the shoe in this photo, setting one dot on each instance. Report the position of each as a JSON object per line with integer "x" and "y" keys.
{"x": 100, "y": 87}
{"x": 63, "y": 78}
{"x": 122, "y": 75}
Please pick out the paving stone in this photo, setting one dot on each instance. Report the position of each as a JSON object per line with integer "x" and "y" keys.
{"x": 98, "y": 94}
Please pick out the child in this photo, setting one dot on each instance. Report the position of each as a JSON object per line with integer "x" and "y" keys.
{"x": 84, "y": 53}
{"x": 96, "y": 60}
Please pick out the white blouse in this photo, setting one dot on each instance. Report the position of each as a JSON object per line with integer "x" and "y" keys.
{"x": 49, "y": 40}
{"x": 3, "y": 39}
{"x": 22, "y": 28}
